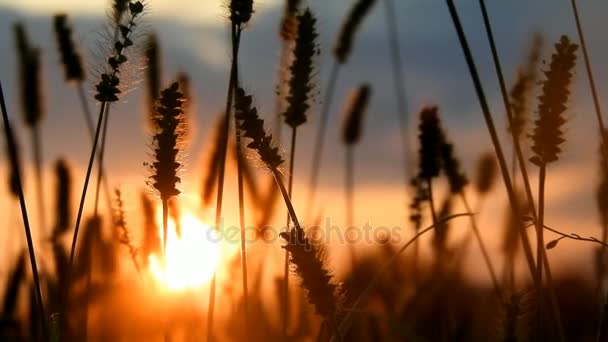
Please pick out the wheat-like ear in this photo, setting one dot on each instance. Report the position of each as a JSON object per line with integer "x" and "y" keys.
{"x": 253, "y": 127}
{"x": 69, "y": 56}
{"x": 353, "y": 115}
{"x": 29, "y": 70}
{"x": 167, "y": 142}
{"x": 301, "y": 83}
{"x": 431, "y": 139}
{"x": 63, "y": 202}
{"x": 349, "y": 28}
{"x": 308, "y": 262}
{"x": 547, "y": 136}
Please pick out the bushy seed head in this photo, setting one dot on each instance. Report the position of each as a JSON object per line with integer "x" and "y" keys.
{"x": 167, "y": 142}
{"x": 69, "y": 56}
{"x": 308, "y": 263}
{"x": 240, "y": 11}
{"x": 252, "y": 127}
{"x": 431, "y": 140}
{"x": 31, "y": 79}
{"x": 547, "y": 136}
{"x": 349, "y": 28}
{"x": 301, "y": 83}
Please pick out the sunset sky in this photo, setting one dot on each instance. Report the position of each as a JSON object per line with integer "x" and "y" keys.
{"x": 194, "y": 39}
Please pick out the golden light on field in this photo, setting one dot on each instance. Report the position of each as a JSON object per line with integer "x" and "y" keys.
{"x": 192, "y": 257}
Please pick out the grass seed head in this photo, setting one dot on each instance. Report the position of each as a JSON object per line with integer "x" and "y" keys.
{"x": 69, "y": 56}
{"x": 547, "y": 136}
{"x": 346, "y": 37}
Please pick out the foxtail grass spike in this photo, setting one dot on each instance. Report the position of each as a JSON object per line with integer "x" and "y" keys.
{"x": 547, "y": 136}
{"x": 431, "y": 139}
{"x": 353, "y": 116}
{"x": 167, "y": 142}
{"x": 253, "y": 127}
{"x": 308, "y": 262}
{"x": 31, "y": 85}
{"x": 240, "y": 11}
{"x": 487, "y": 172}
{"x": 301, "y": 83}
{"x": 63, "y": 202}
{"x": 349, "y": 28}
{"x": 69, "y": 56}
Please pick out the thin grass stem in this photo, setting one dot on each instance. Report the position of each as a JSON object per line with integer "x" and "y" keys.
{"x": 286, "y": 311}
{"x": 236, "y": 36}
{"x": 493, "y": 134}
{"x": 91, "y": 128}
{"x": 26, "y": 223}
{"x": 100, "y": 168}
{"x": 86, "y": 185}
{"x": 523, "y": 171}
{"x": 240, "y": 160}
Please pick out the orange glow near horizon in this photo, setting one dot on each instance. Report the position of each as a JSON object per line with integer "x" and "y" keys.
{"x": 192, "y": 258}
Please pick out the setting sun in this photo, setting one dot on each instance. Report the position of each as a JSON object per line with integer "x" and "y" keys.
{"x": 192, "y": 258}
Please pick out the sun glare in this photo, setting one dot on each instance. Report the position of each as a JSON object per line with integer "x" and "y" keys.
{"x": 192, "y": 258}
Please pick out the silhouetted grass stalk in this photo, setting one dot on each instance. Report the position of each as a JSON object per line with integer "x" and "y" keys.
{"x": 235, "y": 37}
{"x": 285, "y": 292}
{"x": 493, "y": 134}
{"x": 26, "y": 224}
{"x": 541, "y": 253}
{"x": 91, "y": 129}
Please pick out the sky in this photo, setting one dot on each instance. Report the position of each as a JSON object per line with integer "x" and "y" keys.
{"x": 194, "y": 39}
